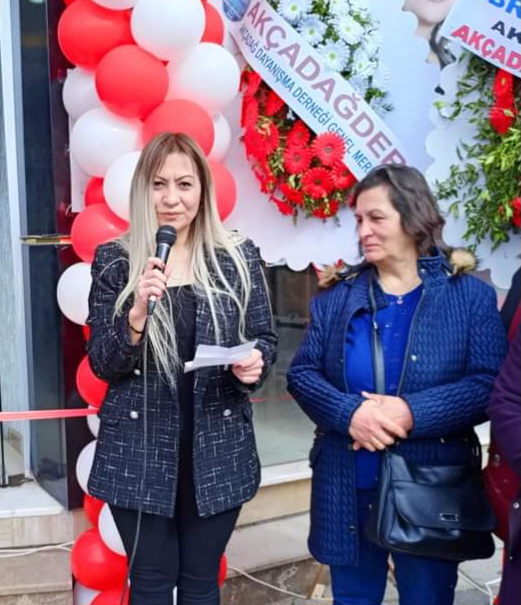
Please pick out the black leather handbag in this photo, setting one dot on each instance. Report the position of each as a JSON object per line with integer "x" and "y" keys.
{"x": 431, "y": 511}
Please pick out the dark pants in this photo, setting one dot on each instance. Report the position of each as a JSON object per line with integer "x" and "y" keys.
{"x": 420, "y": 580}
{"x": 182, "y": 552}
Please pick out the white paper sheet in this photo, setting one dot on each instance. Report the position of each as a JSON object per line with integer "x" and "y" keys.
{"x": 213, "y": 355}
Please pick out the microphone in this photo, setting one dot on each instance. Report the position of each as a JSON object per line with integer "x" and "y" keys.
{"x": 165, "y": 238}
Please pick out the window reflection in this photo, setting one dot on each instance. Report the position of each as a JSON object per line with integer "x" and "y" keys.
{"x": 283, "y": 432}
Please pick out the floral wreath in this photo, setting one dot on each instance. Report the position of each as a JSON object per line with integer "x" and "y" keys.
{"x": 488, "y": 177}
{"x": 303, "y": 173}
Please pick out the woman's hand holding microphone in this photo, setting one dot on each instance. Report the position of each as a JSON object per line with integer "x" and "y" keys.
{"x": 151, "y": 283}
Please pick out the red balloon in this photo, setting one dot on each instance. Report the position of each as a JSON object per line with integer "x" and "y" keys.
{"x": 214, "y": 26}
{"x": 86, "y": 331}
{"x": 223, "y": 569}
{"x": 180, "y": 115}
{"x": 94, "y": 226}
{"x": 94, "y": 192}
{"x": 87, "y": 31}
{"x": 91, "y": 508}
{"x": 131, "y": 82}
{"x": 225, "y": 188}
{"x": 110, "y": 597}
{"x": 93, "y": 564}
{"x": 91, "y": 389}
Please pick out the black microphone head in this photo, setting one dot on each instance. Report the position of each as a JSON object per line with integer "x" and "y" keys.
{"x": 166, "y": 234}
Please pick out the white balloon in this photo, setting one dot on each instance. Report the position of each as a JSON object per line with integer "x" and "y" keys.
{"x": 81, "y": 595}
{"x": 99, "y": 137}
{"x": 109, "y": 532}
{"x": 72, "y": 292}
{"x": 79, "y": 92}
{"x": 117, "y": 5}
{"x": 117, "y": 181}
{"x": 168, "y": 28}
{"x": 84, "y": 464}
{"x": 223, "y": 138}
{"x": 93, "y": 422}
{"x": 209, "y": 76}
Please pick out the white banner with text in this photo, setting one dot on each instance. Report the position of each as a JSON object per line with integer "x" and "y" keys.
{"x": 323, "y": 99}
{"x": 490, "y": 29}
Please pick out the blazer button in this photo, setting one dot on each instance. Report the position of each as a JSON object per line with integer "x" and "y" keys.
{"x": 134, "y": 415}
{"x": 227, "y": 413}
{"x": 137, "y": 371}
{"x": 414, "y": 357}
{"x": 516, "y": 505}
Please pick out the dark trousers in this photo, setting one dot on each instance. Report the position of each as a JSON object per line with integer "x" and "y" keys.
{"x": 183, "y": 551}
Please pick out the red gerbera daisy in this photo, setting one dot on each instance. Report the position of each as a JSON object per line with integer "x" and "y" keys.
{"x": 255, "y": 144}
{"x": 270, "y": 134}
{"x": 291, "y": 194}
{"x": 317, "y": 182}
{"x": 273, "y": 103}
{"x": 342, "y": 176}
{"x": 298, "y": 135}
{"x": 326, "y": 210}
{"x": 250, "y": 82}
{"x": 329, "y": 148}
{"x": 503, "y": 88}
{"x": 250, "y": 113}
{"x": 297, "y": 159}
{"x": 282, "y": 206}
{"x": 501, "y": 119}
{"x": 268, "y": 181}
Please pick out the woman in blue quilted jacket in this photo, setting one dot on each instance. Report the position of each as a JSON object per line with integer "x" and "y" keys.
{"x": 443, "y": 343}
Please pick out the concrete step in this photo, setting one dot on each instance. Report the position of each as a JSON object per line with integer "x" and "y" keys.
{"x": 29, "y": 520}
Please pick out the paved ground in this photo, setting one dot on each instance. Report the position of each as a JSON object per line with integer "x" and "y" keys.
{"x": 477, "y": 583}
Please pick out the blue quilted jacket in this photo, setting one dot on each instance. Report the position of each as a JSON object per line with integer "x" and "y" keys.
{"x": 456, "y": 345}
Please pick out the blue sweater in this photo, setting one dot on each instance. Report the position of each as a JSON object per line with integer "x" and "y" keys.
{"x": 457, "y": 343}
{"x": 394, "y": 321}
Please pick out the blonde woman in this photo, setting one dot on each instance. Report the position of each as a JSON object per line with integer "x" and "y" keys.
{"x": 182, "y": 451}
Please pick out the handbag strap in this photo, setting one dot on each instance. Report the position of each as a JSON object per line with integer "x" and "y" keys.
{"x": 376, "y": 341}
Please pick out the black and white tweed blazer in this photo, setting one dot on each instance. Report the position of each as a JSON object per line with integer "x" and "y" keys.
{"x": 226, "y": 464}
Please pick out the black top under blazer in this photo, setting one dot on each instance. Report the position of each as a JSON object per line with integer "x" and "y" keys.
{"x": 226, "y": 464}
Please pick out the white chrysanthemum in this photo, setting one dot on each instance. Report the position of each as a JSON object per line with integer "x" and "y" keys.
{"x": 359, "y": 83}
{"x": 349, "y": 30}
{"x": 364, "y": 15}
{"x": 381, "y": 77}
{"x": 361, "y": 63}
{"x": 339, "y": 7}
{"x": 336, "y": 54}
{"x": 293, "y": 10}
{"x": 312, "y": 29}
{"x": 357, "y": 5}
{"x": 378, "y": 105}
{"x": 372, "y": 43}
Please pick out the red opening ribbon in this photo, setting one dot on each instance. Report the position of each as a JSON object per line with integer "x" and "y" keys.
{"x": 46, "y": 414}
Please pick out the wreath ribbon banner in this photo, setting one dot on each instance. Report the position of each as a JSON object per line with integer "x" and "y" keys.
{"x": 322, "y": 98}
{"x": 490, "y": 30}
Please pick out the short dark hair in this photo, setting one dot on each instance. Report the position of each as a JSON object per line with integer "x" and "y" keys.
{"x": 410, "y": 195}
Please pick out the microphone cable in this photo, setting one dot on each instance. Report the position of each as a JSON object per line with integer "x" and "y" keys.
{"x": 133, "y": 552}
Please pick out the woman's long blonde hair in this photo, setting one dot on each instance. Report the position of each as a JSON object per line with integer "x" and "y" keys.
{"x": 206, "y": 238}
